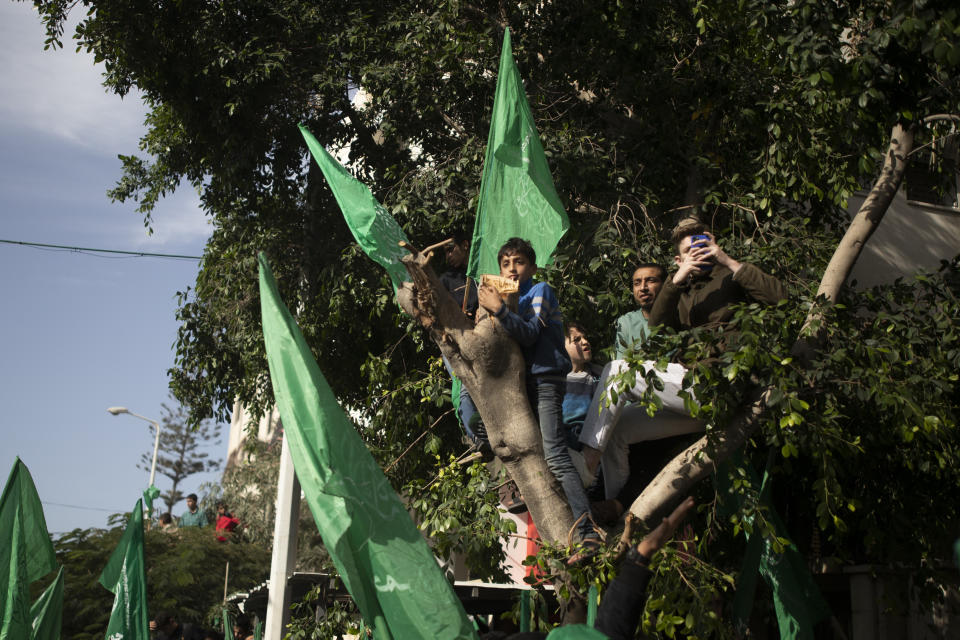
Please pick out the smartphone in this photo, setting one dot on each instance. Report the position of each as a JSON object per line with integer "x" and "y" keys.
{"x": 701, "y": 240}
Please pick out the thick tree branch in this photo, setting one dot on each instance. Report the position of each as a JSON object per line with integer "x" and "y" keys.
{"x": 870, "y": 214}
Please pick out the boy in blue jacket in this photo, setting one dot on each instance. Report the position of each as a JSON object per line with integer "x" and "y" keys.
{"x": 538, "y": 328}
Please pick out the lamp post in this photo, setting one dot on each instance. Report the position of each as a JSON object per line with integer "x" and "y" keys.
{"x": 156, "y": 444}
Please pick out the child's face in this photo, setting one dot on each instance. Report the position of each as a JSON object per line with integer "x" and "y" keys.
{"x": 517, "y": 267}
{"x": 578, "y": 348}
{"x": 456, "y": 254}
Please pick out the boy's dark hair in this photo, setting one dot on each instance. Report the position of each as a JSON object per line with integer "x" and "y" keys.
{"x": 573, "y": 325}
{"x": 163, "y": 616}
{"x": 652, "y": 265}
{"x": 686, "y": 229}
{"x": 166, "y": 518}
{"x": 517, "y": 246}
{"x": 192, "y": 496}
{"x": 220, "y": 503}
{"x": 460, "y": 236}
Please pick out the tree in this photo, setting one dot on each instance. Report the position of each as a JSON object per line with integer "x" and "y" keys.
{"x": 763, "y": 118}
{"x": 179, "y": 455}
{"x": 185, "y": 574}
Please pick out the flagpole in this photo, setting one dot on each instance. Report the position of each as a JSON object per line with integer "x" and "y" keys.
{"x": 226, "y": 581}
{"x": 284, "y": 546}
{"x": 466, "y": 295}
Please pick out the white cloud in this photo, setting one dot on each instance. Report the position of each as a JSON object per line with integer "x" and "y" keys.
{"x": 60, "y": 92}
{"x": 57, "y": 94}
{"x": 178, "y": 221}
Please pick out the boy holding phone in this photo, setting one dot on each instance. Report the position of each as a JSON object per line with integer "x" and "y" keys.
{"x": 707, "y": 282}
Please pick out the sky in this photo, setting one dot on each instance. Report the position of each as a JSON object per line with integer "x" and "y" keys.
{"x": 81, "y": 333}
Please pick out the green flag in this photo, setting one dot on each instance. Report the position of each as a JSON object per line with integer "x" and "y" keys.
{"x": 375, "y": 230}
{"x": 381, "y": 556}
{"x": 26, "y": 552}
{"x": 796, "y": 598}
{"x": 150, "y": 494}
{"x": 125, "y": 577}
{"x": 593, "y": 596}
{"x": 577, "y": 632}
{"x": 517, "y": 197}
{"x": 228, "y": 626}
{"x": 47, "y": 611}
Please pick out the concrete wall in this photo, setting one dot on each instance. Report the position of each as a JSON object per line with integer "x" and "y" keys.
{"x": 266, "y": 430}
{"x": 911, "y": 237}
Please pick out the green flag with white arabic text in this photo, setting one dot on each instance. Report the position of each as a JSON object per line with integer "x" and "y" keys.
{"x": 517, "y": 196}
{"x": 126, "y": 578}
{"x": 375, "y": 230}
{"x": 383, "y": 560}
{"x": 26, "y": 552}
{"x": 47, "y": 611}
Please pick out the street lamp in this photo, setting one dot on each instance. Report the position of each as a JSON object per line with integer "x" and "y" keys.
{"x": 156, "y": 444}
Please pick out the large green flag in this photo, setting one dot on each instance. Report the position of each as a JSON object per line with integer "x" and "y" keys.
{"x": 517, "y": 196}
{"x": 26, "y": 552}
{"x": 796, "y": 598}
{"x": 375, "y": 230}
{"x": 47, "y": 611}
{"x": 125, "y": 577}
{"x": 382, "y": 558}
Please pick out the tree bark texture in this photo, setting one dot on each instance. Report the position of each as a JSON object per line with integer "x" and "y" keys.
{"x": 490, "y": 365}
{"x": 701, "y": 458}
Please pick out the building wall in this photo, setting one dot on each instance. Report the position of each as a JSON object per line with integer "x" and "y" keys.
{"x": 266, "y": 430}
{"x": 911, "y": 237}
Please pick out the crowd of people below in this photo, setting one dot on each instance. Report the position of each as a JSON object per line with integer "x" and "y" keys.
{"x": 601, "y": 446}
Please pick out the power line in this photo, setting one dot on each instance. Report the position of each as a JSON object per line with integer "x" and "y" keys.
{"x": 89, "y": 251}
{"x": 73, "y": 506}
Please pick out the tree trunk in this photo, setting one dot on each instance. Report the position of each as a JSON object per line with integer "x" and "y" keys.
{"x": 490, "y": 365}
{"x": 702, "y": 457}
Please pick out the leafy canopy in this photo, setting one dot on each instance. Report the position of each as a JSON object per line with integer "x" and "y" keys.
{"x": 762, "y": 117}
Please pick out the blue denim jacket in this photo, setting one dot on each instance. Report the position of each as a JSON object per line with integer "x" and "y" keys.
{"x": 538, "y": 328}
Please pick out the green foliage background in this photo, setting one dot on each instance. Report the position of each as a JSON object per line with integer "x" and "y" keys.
{"x": 762, "y": 117}
{"x": 185, "y": 575}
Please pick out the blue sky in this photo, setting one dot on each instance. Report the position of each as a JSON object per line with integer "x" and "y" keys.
{"x": 81, "y": 333}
